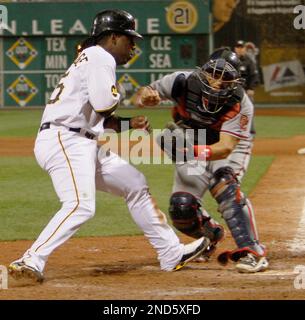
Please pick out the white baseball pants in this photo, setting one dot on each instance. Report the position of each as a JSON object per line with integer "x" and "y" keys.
{"x": 78, "y": 166}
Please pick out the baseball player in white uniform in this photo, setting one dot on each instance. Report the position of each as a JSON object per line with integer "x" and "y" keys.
{"x": 79, "y": 110}
{"x": 211, "y": 99}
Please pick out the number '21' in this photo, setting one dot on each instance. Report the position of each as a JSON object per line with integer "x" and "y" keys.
{"x": 182, "y": 16}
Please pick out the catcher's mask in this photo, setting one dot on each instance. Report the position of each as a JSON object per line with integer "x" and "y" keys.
{"x": 219, "y": 79}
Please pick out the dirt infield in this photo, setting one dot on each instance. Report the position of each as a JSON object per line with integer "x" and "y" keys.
{"x": 126, "y": 267}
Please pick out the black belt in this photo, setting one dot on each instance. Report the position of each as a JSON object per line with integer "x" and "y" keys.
{"x": 87, "y": 134}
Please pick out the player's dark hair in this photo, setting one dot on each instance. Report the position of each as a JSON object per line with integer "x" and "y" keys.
{"x": 88, "y": 42}
{"x": 93, "y": 40}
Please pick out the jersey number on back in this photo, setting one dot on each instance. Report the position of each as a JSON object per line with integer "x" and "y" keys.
{"x": 60, "y": 87}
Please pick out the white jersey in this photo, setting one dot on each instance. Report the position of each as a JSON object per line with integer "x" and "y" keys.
{"x": 88, "y": 87}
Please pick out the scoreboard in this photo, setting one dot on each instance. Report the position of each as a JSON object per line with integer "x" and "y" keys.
{"x": 40, "y": 39}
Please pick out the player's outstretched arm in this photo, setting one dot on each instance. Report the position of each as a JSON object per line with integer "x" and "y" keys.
{"x": 120, "y": 124}
{"x": 219, "y": 150}
{"x": 146, "y": 96}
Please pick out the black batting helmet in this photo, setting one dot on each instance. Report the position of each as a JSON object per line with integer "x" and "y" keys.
{"x": 114, "y": 20}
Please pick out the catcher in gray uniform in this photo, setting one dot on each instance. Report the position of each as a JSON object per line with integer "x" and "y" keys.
{"x": 212, "y": 109}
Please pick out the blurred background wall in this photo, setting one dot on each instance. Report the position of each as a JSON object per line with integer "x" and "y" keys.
{"x": 40, "y": 40}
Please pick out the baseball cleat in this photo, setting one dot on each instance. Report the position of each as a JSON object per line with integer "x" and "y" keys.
{"x": 192, "y": 251}
{"x": 251, "y": 264}
{"x": 206, "y": 255}
{"x": 19, "y": 270}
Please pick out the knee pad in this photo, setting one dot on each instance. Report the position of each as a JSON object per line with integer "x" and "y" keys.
{"x": 233, "y": 206}
{"x": 224, "y": 186}
{"x": 187, "y": 217}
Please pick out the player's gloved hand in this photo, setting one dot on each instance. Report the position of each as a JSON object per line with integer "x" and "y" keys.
{"x": 140, "y": 122}
{"x": 146, "y": 96}
{"x": 175, "y": 143}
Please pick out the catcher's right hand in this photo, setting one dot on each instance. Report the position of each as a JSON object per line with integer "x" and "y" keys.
{"x": 146, "y": 96}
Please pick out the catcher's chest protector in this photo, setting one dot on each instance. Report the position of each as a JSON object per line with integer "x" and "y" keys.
{"x": 198, "y": 118}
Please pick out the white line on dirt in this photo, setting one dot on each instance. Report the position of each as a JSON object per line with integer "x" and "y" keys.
{"x": 297, "y": 245}
{"x": 274, "y": 273}
{"x": 180, "y": 291}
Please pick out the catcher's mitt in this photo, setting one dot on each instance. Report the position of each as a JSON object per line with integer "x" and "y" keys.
{"x": 174, "y": 141}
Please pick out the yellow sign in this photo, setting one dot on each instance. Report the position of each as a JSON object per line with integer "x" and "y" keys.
{"x": 130, "y": 86}
{"x": 136, "y": 55}
{"x": 181, "y": 16}
{"x": 21, "y": 53}
{"x": 22, "y": 90}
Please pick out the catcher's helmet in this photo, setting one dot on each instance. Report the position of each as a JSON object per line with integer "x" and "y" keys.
{"x": 114, "y": 20}
{"x": 228, "y": 55}
{"x": 219, "y": 80}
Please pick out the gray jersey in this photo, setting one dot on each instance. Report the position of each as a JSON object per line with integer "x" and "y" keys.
{"x": 236, "y": 122}
{"x": 218, "y": 176}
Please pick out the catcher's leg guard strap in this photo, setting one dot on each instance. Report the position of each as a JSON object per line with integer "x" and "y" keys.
{"x": 188, "y": 218}
{"x": 235, "y": 209}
